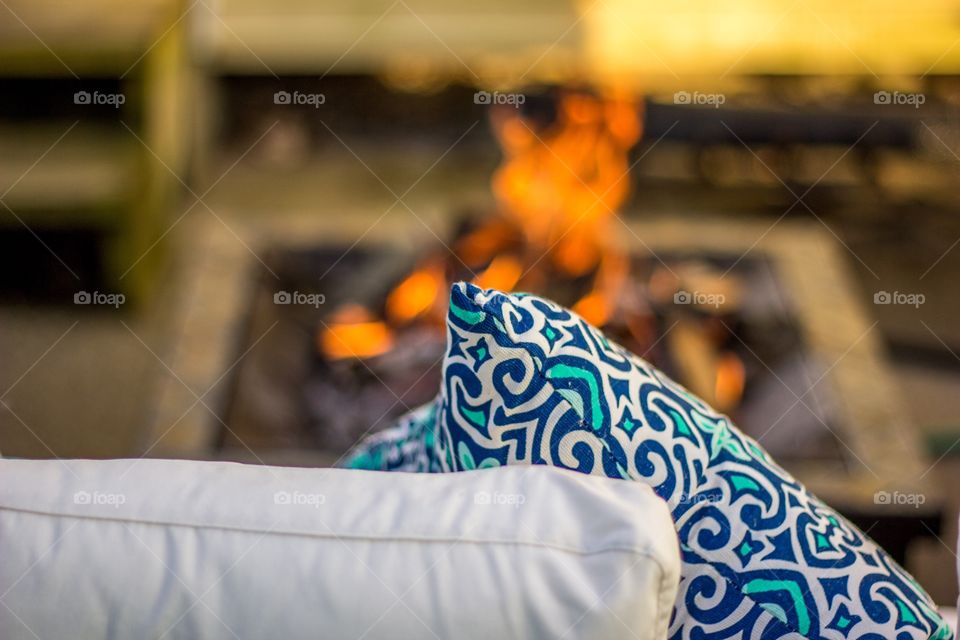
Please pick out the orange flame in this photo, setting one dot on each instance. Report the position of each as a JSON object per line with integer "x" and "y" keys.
{"x": 563, "y": 185}
{"x": 502, "y": 274}
{"x": 354, "y": 333}
{"x": 558, "y": 187}
{"x": 416, "y": 294}
{"x": 599, "y": 304}
{"x": 731, "y": 377}
{"x": 480, "y": 245}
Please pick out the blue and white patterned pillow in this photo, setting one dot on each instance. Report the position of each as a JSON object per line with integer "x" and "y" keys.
{"x": 528, "y": 382}
{"x": 408, "y": 445}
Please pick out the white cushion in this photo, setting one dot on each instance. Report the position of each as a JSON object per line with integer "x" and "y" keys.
{"x": 180, "y": 549}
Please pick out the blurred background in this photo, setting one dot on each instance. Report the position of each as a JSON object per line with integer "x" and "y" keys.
{"x": 227, "y": 227}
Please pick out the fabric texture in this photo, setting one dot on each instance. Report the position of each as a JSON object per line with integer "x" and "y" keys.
{"x": 528, "y": 382}
{"x": 210, "y": 550}
{"x": 408, "y": 445}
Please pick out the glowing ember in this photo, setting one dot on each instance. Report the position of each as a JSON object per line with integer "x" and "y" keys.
{"x": 416, "y": 294}
{"x": 593, "y": 308}
{"x": 730, "y": 380}
{"x": 502, "y": 274}
{"x": 354, "y": 333}
{"x": 483, "y": 243}
{"x": 599, "y": 305}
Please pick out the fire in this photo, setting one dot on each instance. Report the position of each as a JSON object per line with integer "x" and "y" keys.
{"x": 416, "y": 294}
{"x": 354, "y": 333}
{"x": 557, "y": 189}
{"x": 558, "y": 192}
{"x": 562, "y": 185}
{"x": 730, "y": 381}
{"x": 599, "y": 304}
{"x": 502, "y": 274}
{"x": 594, "y": 308}
{"x": 481, "y": 244}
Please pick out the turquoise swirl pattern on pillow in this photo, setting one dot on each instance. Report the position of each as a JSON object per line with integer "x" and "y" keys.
{"x": 528, "y": 382}
{"x": 408, "y": 445}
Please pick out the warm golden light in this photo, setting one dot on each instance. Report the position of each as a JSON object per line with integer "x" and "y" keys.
{"x": 502, "y": 274}
{"x": 558, "y": 188}
{"x": 481, "y": 244}
{"x": 562, "y": 185}
{"x": 353, "y": 333}
{"x": 416, "y": 294}
{"x": 703, "y": 43}
{"x": 594, "y": 308}
{"x": 731, "y": 377}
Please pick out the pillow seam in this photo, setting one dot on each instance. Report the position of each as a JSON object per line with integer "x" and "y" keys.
{"x": 648, "y": 551}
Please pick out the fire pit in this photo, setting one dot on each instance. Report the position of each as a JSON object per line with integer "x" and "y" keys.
{"x": 719, "y": 322}
{"x": 255, "y": 361}
{"x": 337, "y": 340}
{"x": 734, "y": 352}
